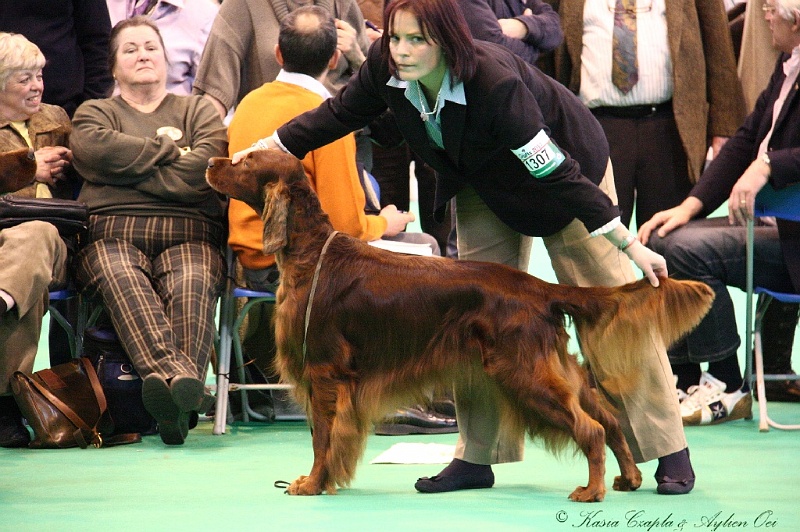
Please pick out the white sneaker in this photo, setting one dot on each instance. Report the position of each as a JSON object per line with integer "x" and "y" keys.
{"x": 708, "y": 404}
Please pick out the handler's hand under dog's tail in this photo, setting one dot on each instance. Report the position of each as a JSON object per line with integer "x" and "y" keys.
{"x": 651, "y": 263}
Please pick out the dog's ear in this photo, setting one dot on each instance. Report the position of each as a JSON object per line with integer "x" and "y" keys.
{"x": 275, "y": 215}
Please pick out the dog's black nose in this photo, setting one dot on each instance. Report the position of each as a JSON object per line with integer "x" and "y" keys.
{"x": 31, "y": 155}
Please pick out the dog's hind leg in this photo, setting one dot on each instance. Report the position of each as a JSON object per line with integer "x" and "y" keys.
{"x": 549, "y": 404}
{"x": 546, "y": 395}
{"x": 630, "y": 478}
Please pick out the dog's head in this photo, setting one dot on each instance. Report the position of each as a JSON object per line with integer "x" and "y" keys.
{"x": 259, "y": 180}
{"x": 17, "y": 169}
{"x": 252, "y": 179}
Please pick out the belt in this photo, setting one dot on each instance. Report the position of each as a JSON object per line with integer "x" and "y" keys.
{"x": 633, "y": 111}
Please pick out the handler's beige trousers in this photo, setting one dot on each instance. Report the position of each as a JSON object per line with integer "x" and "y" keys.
{"x": 649, "y": 414}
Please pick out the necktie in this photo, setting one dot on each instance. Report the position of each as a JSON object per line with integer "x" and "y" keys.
{"x": 142, "y": 7}
{"x": 625, "y": 68}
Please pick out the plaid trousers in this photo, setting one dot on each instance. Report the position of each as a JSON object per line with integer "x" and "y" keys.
{"x": 159, "y": 279}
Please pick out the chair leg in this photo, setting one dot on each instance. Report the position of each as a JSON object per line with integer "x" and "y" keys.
{"x": 764, "y": 422}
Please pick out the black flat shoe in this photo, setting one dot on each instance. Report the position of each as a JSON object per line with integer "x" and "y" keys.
{"x": 458, "y": 475}
{"x": 439, "y": 484}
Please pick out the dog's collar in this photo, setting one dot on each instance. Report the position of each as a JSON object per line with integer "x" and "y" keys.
{"x": 313, "y": 291}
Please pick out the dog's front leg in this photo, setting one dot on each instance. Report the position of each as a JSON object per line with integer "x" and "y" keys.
{"x": 323, "y": 404}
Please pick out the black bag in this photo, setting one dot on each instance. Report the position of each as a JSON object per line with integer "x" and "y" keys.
{"x": 65, "y": 406}
{"x": 69, "y": 216}
{"x": 120, "y": 381}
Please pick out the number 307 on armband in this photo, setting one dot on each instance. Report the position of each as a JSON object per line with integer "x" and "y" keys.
{"x": 540, "y": 156}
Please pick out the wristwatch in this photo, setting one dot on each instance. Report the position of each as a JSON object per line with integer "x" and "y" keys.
{"x": 765, "y": 158}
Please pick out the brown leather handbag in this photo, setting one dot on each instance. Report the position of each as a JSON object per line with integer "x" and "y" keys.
{"x": 65, "y": 406}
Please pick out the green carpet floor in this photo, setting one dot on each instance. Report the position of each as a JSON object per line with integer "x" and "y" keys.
{"x": 746, "y": 480}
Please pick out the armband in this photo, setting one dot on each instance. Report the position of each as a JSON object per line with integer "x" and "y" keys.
{"x": 540, "y": 156}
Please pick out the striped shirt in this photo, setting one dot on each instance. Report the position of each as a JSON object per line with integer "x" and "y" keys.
{"x": 654, "y": 61}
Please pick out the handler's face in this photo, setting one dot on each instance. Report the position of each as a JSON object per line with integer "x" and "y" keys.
{"x": 415, "y": 57}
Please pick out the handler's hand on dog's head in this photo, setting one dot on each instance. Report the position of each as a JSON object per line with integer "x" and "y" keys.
{"x": 396, "y": 220}
{"x": 239, "y": 155}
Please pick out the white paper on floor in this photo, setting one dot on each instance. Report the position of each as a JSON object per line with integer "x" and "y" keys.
{"x": 416, "y": 453}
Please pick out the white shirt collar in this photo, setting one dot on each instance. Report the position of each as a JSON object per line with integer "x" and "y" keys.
{"x": 793, "y": 62}
{"x": 305, "y": 81}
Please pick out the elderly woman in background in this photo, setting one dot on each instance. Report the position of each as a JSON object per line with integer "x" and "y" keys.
{"x": 32, "y": 255}
{"x": 155, "y": 229}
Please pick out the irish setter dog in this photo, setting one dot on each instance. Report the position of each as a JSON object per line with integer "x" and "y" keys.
{"x": 361, "y": 331}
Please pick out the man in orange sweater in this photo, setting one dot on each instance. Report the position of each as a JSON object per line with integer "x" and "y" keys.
{"x": 306, "y": 50}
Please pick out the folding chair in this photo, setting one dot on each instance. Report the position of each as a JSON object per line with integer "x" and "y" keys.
{"x": 784, "y": 204}
{"x": 229, "y": 324}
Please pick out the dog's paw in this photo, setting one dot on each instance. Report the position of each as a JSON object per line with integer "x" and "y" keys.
{"x": 584, "y": 494}
{"x": 623, "y": 483}
{"x": 304, "y": 486}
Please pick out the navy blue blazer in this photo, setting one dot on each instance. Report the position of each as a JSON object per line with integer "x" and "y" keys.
{"x": 740, "y": 151}
{"x": 508, "y": 103}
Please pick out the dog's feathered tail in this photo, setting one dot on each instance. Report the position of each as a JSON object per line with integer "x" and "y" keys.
{"x": 616, "y": 328}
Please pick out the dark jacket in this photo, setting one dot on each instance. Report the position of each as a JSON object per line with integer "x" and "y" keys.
{"x": 741, "y": 150}
{"x": 508, "y": 103}
{"x": 73, "y": 36}
{"x": 544, "y": 28}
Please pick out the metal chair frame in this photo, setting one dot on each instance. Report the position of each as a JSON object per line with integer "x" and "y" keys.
{"x": 784, "y": 204}
{"x": 229, "y": 342}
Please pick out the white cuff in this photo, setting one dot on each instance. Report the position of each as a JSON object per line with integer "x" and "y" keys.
{"x": 278, "y": 142}
{"x": 607, "y": 228}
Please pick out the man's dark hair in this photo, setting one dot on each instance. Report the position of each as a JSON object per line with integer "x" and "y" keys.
{"x": 307, "y": 48}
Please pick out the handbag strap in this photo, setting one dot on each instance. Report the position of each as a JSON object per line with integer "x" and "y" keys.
{"x": 97, "y": 439}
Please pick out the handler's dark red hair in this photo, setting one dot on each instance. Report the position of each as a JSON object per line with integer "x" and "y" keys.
{"x": 441, "y": 22}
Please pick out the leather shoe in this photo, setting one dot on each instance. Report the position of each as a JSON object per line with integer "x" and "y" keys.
{"x": 781, "y": 391}
{"x": 171, "y": 404}
{"x": 416, "y": 420}
{"x": 13, "y": 432}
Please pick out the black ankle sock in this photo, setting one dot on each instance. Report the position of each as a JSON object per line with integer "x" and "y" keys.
{"x": 688, "y": 374}
{"x": 461, "y": 468}
{"x": 727, "y": 370}
{"x": 676, "y": 465}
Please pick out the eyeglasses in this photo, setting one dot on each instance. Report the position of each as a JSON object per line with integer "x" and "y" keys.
{"x": 612, "y": 6}
{"x": 768, "y": 8}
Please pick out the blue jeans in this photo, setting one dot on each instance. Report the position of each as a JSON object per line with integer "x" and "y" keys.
{"x": 714, "y": 252}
